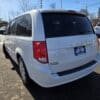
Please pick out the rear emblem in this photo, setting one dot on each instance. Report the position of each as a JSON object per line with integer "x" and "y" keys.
{"x": 54, "y": 63}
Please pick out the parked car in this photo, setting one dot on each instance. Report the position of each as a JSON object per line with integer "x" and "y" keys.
{"x": 2, "y": 31}
{"x": 51, "y": 47}
{"x": 97, "y": 29}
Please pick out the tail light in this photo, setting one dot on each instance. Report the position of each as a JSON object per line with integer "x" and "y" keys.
{"x": 40, "y": 51}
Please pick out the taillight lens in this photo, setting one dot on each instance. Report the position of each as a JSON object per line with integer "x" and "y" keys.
{"x": 40, "y": 51}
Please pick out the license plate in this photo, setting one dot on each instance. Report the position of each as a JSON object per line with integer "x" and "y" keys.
{"x": 79, "y": 50}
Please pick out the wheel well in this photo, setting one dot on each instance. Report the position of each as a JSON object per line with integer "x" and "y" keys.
{"x": 19, "y": 56}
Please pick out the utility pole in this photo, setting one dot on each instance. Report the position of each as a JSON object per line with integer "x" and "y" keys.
{"x": 41, "y": 4}
{"x": 61, "y": 3}
{"x": 99, "y": 12}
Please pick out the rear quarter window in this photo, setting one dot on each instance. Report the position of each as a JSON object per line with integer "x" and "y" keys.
{"x": 24, "y": 26}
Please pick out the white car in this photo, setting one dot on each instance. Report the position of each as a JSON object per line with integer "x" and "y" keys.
{"x": 97, "y": 29}
{"x": 51, "y": 47}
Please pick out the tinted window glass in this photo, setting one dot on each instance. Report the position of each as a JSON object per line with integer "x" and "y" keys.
{"x": 8, "y": 29}
{"x": 62, "y": 24}
{"x": 11, "y": 29}
{"x": 24, "y": 26}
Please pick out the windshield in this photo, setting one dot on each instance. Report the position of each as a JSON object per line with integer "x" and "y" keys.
{"x": 63, "y": 24}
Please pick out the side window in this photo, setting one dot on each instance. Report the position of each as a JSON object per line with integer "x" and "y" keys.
{"x": 24, "y": 26}
{"x": 8, "y": 29}
{"x": 11, "y": 29}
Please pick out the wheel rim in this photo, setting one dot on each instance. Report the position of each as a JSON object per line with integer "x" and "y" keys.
{"x": 22, "y": 71}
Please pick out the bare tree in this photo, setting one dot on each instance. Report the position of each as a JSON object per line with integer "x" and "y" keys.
{"x": 26, "y": 5}
{"x": 84, "y": 11}
{"x": 12, "y": 14}
{"x": 53, "y": 6}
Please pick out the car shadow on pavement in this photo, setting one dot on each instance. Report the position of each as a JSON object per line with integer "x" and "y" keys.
{"x": 87, "y": 88}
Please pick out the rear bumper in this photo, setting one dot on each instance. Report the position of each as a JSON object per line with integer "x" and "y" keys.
{"x": 47, "y": 80}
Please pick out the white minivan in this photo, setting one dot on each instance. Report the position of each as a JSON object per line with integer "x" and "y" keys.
{"x": 51, "y": 47}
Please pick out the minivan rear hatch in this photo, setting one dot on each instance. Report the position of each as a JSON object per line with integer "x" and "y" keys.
{"x": 70, "y": 40}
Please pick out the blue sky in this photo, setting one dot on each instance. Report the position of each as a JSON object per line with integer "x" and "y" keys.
{"x": 9, "y": 7}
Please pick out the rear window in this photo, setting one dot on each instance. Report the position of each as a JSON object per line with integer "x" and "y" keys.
{"x": 64, "y": 24}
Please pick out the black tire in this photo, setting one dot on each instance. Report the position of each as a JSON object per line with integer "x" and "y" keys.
{"x": 5, "y": 52}
{"x": 23, "y": 72}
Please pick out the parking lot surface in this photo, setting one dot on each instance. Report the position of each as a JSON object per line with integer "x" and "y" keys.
{"x": 12, "y": 88}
